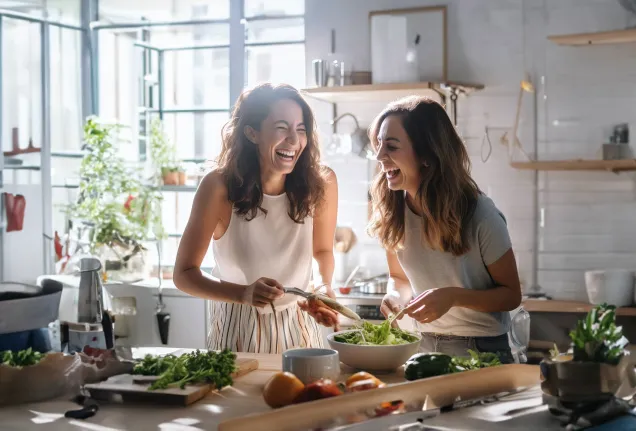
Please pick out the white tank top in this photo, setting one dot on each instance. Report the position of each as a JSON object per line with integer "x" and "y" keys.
{"x": 270, "y": 245}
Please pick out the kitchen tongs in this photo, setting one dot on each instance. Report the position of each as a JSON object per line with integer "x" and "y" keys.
{"x": 329, "y": 302}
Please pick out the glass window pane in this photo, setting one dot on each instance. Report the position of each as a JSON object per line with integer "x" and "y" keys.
{"x": 196, "y": 136}
{"x": 275, "y": 30}
{"x": 65, "y": 170}
{"x": 274, "y": 7}
{"x": 69, "y": 12}
{"x": 164, "y": 9}
{"x": 61, "y": 198}
{"x": 66, "y": 90}
{"x": 199, "y": 78}
{"x": 188, "y": 35}
{"x": 22, "y": 85}
{"x": 279, "y": 63}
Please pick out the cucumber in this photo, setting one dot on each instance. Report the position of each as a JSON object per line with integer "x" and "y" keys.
{"x": 423, "y": 365}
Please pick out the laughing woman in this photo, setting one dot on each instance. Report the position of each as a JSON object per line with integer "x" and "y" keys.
{"x": 448, "y": 248}
{"x": 269, "y": 207}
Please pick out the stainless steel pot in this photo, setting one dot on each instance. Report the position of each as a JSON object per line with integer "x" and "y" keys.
{"x": 376, "y": 285}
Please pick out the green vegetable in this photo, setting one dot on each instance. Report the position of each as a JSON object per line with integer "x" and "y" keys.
{"x": 474, "y": 362}
{"x": 423, "y": 365}
{"x": 196, "y": 367}
{"x": 597, "y": 338}
{"x": 383, "y": 334}
{"x": 23, "y": 358}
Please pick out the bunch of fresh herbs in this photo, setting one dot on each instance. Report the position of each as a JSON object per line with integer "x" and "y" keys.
{"x": 597, "y": 338}
{"x": 23, "y": 358}
{"x": 211, "y": 367}
{"x": 474, "y": 362}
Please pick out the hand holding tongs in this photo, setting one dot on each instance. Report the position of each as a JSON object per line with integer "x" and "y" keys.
{"x": 329, "y": 302}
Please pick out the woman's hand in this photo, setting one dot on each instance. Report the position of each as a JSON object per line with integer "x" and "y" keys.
{"x": 432, "y": 304}
{"x": 318, "y": 310}
{"x": 262, "y": 292}
{"x": 391, "y": 305}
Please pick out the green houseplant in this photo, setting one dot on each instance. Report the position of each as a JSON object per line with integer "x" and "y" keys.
{"x": 163, "y": 155}
{"x": 598, "y": 362}
{"x": 117, "y": 208}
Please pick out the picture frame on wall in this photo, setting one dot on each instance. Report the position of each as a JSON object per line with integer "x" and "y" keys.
{"x": 409, "y": 45}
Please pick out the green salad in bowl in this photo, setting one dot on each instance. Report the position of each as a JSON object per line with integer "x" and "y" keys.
{"x": 372, "y": 347}
{"x": 383, "y": 334}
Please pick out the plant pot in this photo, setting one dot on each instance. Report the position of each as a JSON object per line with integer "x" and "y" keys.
{"x": 181, "y": 178}
{"x": 171, "y": 178}
{"x": 577, "y": 381}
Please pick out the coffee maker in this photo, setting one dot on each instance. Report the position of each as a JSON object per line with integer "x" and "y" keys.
{"x": 94, "y": 325}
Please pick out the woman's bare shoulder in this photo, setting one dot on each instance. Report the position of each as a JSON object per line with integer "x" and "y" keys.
{"x": 213, "y": 186}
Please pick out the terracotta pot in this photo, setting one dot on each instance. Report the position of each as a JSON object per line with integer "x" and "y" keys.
{"x": 181, "y": 178}
{"x": 171, "y": 178}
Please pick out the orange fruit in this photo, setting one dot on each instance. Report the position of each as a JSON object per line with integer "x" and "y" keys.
{"x": 281, "y": 389}
{"x": 362, "y": 375}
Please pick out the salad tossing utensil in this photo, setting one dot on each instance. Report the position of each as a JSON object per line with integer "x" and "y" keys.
{"x": 329, "y": 302}
{"x": 393, "y": 318}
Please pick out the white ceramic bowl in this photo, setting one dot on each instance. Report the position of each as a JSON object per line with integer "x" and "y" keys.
{"x": 310, "y": 365}
{"x": 373, "y": 358}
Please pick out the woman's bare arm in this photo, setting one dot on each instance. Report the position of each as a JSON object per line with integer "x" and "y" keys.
{"x": 399, "y": 284}
{"x": 204, "y": 218}
{"x": 323, "y": 238}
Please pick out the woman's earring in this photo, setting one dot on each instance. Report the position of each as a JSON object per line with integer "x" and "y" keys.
{"x": 426, "y": 165}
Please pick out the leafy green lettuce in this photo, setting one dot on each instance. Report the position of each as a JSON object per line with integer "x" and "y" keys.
{"x": 368, "y": 334}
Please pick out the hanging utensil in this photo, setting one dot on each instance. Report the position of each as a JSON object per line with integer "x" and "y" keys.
{"x": 163, "y": 317}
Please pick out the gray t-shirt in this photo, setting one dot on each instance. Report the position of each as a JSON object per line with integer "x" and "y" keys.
{"x": 428, "y": 269}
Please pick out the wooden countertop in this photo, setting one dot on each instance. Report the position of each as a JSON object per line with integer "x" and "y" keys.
{"x": 559, "y": 306}
{"x": 244, "y": 397}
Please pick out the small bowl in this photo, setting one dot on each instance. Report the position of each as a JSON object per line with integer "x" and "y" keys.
{"x": 310, "y": 365}
{"x": 373, "y": 358}
{"x": 345, "y": 290}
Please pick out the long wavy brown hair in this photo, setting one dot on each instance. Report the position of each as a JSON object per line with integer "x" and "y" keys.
{"x": 447, "y": 193}
{"x": 239, "y": 161}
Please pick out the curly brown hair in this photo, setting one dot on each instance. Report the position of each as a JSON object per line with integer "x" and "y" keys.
{"x": 239, "y": 161}
{"x": 447, "y": 191}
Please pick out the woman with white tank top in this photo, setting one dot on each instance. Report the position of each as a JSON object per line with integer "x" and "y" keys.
{"x": 269, "y": 209}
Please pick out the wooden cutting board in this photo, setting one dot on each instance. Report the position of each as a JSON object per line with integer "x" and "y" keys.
{"x": 135, "y": 388}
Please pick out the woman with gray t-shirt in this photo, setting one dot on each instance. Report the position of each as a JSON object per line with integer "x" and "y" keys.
{"x": 448, "y": 248}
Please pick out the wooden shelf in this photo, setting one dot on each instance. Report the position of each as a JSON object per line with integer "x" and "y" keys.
{"x": 578, "y": 165}
{"x": 556, "y": 306}
{"x": 600, "y": 38}
{"x": 385, "y": 92}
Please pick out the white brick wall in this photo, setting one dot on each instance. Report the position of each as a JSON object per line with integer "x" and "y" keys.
{"x": 588, "y": 216}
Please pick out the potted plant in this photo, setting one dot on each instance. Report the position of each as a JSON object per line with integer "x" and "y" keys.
{"x": 163, "y": 155}
{"x": 116, "y": 211}
{"x": 597, "y": 364}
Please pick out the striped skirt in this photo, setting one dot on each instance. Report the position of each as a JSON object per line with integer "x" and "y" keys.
{"x": 241, "y": 328}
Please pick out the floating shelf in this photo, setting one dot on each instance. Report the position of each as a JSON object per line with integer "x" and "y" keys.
{"x": 578, "y": 165}
{"x": 600, "y": 38}
{"x": 385, "y": 92}
{"x": 171, "y": 188}
{"x": 556, "y": 306}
